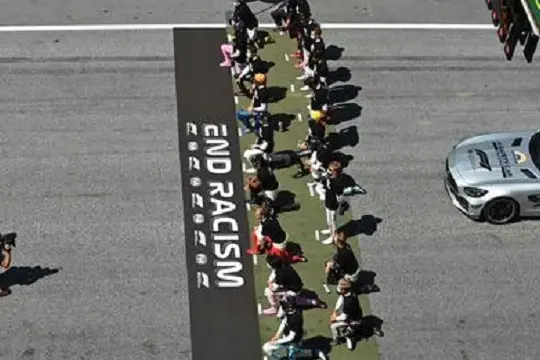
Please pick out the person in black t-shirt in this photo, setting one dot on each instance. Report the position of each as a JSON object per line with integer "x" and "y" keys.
{"x": 347, "y": 312}
{"x": 255, "y": 65}
{"x": 331, "y": 189}
{"x": 263, "y": 186}
{"x": 319, "y": 96}
{"x": 316, "y": 128}
{"x": 288, "y": 338}
{"x": 283, "y": 281}
{"x": 242, "y": 12}
{"x": 343, "y": 264}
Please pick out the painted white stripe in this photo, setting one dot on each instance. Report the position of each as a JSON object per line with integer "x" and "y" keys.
{"x": 240, "y": 132}
{"x": 311, "y": 190}
{"x": 259, "y": 310}
{"x": 236, "y": 100}
{"x": 255, "y": 262}
{"x": 286, "y": 57}
{"x": 299, "y": 116}
{"x": 248, "y": 208}
{"x": 292, "y": 87}
{"x": 317, "y": 236}
{"x": 530, "y": 16}
{"x": 158, "y": 27}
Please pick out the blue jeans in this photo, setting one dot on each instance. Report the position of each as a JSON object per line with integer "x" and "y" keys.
{"x": 245, "y": 117}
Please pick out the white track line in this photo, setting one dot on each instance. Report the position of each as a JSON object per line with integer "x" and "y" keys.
{"x": 158, "y": 27}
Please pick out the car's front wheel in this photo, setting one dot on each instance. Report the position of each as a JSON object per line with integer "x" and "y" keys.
{"x": 501, "y": 211}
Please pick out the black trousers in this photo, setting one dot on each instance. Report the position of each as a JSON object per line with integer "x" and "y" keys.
{"x": 279, "y": 15}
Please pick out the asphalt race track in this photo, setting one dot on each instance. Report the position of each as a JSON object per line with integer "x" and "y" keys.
{"x": 90, "y": 180}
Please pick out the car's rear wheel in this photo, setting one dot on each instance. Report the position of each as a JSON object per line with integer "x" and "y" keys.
{"x": 501, "y": 211}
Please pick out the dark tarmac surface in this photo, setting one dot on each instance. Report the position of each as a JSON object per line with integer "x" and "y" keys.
{"x": 91, "y": 182}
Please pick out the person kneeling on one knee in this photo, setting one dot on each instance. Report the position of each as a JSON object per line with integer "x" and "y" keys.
{"x": 263, "y": 145}
{"x": 343, "y": 263}
{"x": 347, "y": 311}
{"x": 263, "y": 186}
{"x": 283, "y": 281}
{"x": 268, "y": 233}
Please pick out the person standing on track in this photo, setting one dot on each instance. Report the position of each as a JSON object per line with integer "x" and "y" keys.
{"x": 242, "y": 12}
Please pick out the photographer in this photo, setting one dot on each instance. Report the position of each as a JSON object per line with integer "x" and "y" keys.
{"x": 7, "y": 242}
{"x": 283, "y": 281}
{"x": 347, "y": 314}
{"x": 343, "y": 265}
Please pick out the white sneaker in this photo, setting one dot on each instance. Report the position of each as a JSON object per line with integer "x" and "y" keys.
{"x": 304, "y": 88}
{"x": 328, "y": 241}
{"x": 350, "y": 344}
{"x": 302, "y": 77}
{"x": 309, "y": 96}
{"x": 250, "y": 171}
{"x": 326, "y": 232}
{"x": 322, "y": 356}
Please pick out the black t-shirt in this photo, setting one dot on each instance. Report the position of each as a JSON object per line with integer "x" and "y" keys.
{"x": 317, "y": 130}
{"x": 266, "y": 135}
{"x": 324, "y": 155}
{"x": 288, "y": 279}
{"x": 321, "y": 68}
{"x": 319, "y": 99}
{"x": 294, "y": 321}
{"x": 260, "y": 96}
{"x": 334, "y": 187}
{"x": 241, "y": 47}
{"x": 270, "y": 227}
{"x": 317, "y": 49}
{"x": 351, "y": 307}
{"x": 346, "y": 259}
{"x": 267, "y": 178}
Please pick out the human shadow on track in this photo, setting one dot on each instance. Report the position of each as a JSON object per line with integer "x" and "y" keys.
{"x": 347, "y": 137}
{"x": 25, "y": 275}
{"x": 341, "y": 74}
{"x": 343, "y": 93}
{"x": 366, "y": 225}
{"x": 365, "y": 284}
{"x": 318, "y": 342}
{"x": 281, "y": 121}
{"x": 286, "y": 202}
{"x": 370, "y": 325}
{"x": 344, "y": 112}
{"x": 276, "y": 94}
{"x": 334, "y": 52}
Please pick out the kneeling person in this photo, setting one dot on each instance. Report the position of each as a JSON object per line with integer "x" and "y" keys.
{"x": 347, "y": 313}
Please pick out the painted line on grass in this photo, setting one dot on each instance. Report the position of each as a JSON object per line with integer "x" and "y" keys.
{"x": 287, "y": 58}
{"x": 292, "y": 88}
{"x": 299, "y": 117}
{"x": 171, "y": 26}
{"x": 255, "y": 261}
{"x": 259, "y": 310}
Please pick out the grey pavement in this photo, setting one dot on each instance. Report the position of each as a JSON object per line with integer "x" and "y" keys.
{"x": 57, "y": 12}
{"x": 90, "y": 180}
{"x": 452, "y": 289}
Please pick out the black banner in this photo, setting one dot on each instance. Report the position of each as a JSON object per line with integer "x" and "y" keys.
{"x": 224, "y": 320}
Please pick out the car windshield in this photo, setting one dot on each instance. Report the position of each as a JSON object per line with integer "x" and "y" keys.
{"x": 534, "y": 150}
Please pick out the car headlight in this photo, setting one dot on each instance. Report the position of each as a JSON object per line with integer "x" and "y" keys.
{"x": 474, "y": 192}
